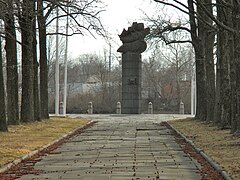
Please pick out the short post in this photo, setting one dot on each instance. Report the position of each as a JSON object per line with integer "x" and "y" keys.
{"x": 181, "y": 109}
{"x": 90, "y": 108}
{"x": 61, "y": 108}
{"x": 118, "y": 111}
{"x": 150, "y": 108}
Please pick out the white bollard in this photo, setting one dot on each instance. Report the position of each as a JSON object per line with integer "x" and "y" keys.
{"x": 150, "y": 108}
{"x": 90, "y": 108}
{"x": 118, "y": 111}
{"x": 181, "y": 109}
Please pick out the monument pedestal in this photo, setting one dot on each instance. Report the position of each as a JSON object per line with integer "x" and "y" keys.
{"x": 131, "y": 83}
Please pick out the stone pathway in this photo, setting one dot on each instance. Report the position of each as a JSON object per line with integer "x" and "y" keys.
{"x": 119, "y": 147}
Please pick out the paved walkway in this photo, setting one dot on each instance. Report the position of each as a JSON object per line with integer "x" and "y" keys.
{"x": 120, "y": 147}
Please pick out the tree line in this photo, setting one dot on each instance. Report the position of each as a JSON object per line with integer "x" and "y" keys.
{"x": 214, "y": 28}
{"x": 92, "y": 77}
{"x": 30, "y": 20}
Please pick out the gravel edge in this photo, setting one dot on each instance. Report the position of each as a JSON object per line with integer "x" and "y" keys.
{"x": 34, "y": 152}
{"x": 217, "y": 167}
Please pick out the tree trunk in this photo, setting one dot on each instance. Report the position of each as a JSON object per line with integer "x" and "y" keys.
{"x": 199, "y": 47}
{"x": 27, "y": 108}
{"x": 12, "y": 69}
{"x": 224, "y": 45}
{"x": 3, "y": 121}
{"x": 210, "y": 73}
{"x": 201, "y": 111}
{"x": 236, "y": 94}
{"x": 35, "y": 69}
{"x": 43, "y": 62}
{"x": 225, "y": 85}
{"x": 217, "y": 111}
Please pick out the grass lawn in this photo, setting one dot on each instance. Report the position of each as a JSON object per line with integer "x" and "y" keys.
{"x": 220, "y": 145}
{"x": 24, "y": 138}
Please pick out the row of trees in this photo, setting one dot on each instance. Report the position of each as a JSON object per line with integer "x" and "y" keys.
{"x": 90, "y": 79}
{"x": 167, "y": 74}
{"x": 32, "y": 20}
{"x": 214, "y": 28}
{"x": 97, "y": 78}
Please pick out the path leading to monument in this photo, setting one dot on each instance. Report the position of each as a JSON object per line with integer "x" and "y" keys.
{"x": 119, "y": 147}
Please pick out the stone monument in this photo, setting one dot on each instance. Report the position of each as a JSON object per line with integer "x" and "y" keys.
{"x": 133, "y": 46}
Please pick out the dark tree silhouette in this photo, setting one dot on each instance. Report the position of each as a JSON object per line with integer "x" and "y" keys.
{"x": 3, "y": 122}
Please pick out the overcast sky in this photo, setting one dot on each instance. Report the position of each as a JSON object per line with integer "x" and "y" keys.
{"x": 119, "y": 14}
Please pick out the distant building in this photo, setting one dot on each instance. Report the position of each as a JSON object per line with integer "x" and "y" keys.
{"x": 92, "y": 85}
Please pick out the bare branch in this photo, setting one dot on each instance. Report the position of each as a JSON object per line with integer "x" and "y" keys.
{"x": 178, "y": 42}
{"x": 64, "y": 34}
{"x": 88, "y": 13}
{"x": 173, "y": 5}
{"x": 210, "y": 15}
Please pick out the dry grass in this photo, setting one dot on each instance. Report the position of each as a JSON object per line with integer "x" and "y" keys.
{"x": 25, "y": 138}
{"x": 220, "y": 145}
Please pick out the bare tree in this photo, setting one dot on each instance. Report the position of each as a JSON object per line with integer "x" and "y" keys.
{"x": 203, "y": 23}
{"x": 84, "y": 17}
{"x": 12, "y": 65}
{"x": 169, "y": 65}
{"x": 235, "y": 67}
{"x": 3, "y": 120}
{"x": 43, "y": 60}
{"x": 26, "y": 19}
{"x": 179, "y": 60}
{"x": 161, "y": 29}
{"x": 209, "y": 34}
{"x": 35, "y": 68}
{"x": 224, "y": 58}
{"x": 89, "y": 79}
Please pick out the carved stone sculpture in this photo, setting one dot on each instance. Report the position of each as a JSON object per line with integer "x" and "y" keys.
{"x": 133, "y": 38}
{"x": 133, "y": 46}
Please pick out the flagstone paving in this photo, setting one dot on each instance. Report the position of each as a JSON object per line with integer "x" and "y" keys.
{"x": 119, "y": 147}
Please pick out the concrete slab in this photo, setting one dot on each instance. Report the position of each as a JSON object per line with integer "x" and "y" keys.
{"x": 119, "y": 147}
